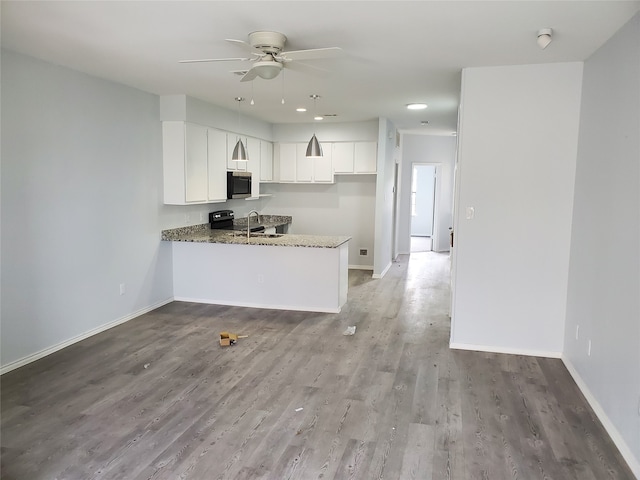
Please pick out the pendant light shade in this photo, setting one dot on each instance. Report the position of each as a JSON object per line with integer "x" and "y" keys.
{"x": 239, "y": 152}
{"x": 314, "y": 150}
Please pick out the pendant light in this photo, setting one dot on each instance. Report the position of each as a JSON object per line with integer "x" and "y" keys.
{"x": 239, "y": 152}
{"x": 314, "y": 149}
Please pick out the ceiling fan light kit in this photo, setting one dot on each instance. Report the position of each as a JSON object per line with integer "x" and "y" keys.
{"x": 544, "y": 37}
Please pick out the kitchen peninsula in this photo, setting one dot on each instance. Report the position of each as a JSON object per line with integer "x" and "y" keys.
{"x": 266, "y": 270}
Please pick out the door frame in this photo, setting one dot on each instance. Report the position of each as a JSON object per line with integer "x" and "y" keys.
{"x": 436, "y": 194}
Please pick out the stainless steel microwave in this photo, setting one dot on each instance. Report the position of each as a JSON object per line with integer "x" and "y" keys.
{"x": 238, "y": 184}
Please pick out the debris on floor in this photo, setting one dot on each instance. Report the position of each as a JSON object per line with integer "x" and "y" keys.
{"x": 227, "y": 338}
{"x": 299, "y": 409}
{"x": 146, "y": 365}
{"x": 350, "y": 330}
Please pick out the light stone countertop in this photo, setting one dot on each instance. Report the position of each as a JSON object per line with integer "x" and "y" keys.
{"x": 204, "y": 234}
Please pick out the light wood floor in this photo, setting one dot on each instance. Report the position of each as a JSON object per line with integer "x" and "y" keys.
{"x": 157, "y": 398}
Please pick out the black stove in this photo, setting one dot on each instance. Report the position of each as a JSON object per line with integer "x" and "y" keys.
{"x": 221, "y": 219}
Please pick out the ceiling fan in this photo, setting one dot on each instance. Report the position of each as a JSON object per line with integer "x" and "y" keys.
{"x": 268, "y": 59}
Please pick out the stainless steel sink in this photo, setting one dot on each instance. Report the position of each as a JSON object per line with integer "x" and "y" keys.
{"x": 267, "y": 235}
{"x": 255, "y": 234}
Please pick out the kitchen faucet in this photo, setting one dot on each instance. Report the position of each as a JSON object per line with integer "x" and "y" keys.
{"x": 249, "y": 222}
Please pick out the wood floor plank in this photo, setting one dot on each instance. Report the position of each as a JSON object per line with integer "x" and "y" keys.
{"x": 157, "y": 398}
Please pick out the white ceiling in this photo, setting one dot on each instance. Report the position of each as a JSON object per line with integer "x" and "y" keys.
{"x": 396, "y": 52}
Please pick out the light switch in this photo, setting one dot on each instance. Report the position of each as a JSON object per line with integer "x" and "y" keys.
{"x": 470, "y": 213}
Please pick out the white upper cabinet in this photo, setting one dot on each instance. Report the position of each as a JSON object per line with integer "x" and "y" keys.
{"x": 355, "y": 157}
{"x": 217, "y": 165}
{"x": 365, "y": 157}
{"x": 342, "y": 157}
{"x": 184, "y": 161}
{"x": 295, "y": 167}
{"x": 323, "y": 166}
{"x": 196, "y": 159}
{"x": 196, "y": 163}
{"x": 304, "y": 165}
{"x": 253, "y": 165}
{"x": 287, "y": 162}
{"x": 266, "y": 161}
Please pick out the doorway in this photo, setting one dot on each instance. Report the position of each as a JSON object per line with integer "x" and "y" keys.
{"x": 423, "y": 195}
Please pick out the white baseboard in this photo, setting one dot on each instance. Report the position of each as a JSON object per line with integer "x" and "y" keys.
{"x": 510, "y": 351}
{"x": 54, "y": 348}
{"x": 384, "y": 272}
{"x": 258, "y": 305}
{"x": 628, "y": 455}
{"x": 360, "y": 267}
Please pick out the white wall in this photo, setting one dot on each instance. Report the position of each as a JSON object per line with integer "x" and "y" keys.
{"x": 387, "y": 159}
{"x": 604, "y": 271}
{"x": 440, "y": 150}
{"x": 518, "y": 138}
{"x": 344, "y": 208}
{"x": 81, "y": 206}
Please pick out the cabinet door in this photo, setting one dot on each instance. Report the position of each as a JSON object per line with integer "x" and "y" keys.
{"x": 173, "y": 162}
{"x": 232, "y": 139}
{"x": 304, "y": 165}
{"x": 266, "y": 161}
{"x": 342, "y": 156}
{"x": 287, "y": 161}
{"x": 217, "y": 163}
{"x": 253, "y": 165}
{"x": 322, "y": 167}
{"x": 196, "y": 163}
{"x": 365, "y": 157}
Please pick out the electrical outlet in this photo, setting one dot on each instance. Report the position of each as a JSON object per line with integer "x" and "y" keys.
{"x": 260, "y": 278}
{"x": 186, "y": 218}
{"x": 589, "y": 349}
{"x": 202, "y": 216}
{"x": 577, "y": 331}
{"x": 122, "y": 289}
{"x": 364, "y": 252}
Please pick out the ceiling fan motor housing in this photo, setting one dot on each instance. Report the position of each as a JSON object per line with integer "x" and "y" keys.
{"x": 268, "y": 42}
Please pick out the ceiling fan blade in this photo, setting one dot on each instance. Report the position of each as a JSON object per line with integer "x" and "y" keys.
{"x": 245, "y": 46}
{"x": 306, "y": 68}
{"x": 250, "y": 75}
{"x": 312, "y": 54}
{"x": 201, "y": 60}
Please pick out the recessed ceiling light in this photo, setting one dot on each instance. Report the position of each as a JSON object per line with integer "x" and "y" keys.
{"x": 301, "y": 109}
{"x": 318, "y": 117}
{"x": 416, "y": 106}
